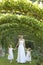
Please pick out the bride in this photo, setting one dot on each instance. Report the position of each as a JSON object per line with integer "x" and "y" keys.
{"x": 21, "y": 50}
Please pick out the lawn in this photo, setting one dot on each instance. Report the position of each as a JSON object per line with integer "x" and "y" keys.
{"x": 5, "y": 61}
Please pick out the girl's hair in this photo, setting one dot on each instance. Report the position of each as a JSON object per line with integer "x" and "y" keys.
{"x": 10, "y": 45}
{"x": 29, "y": 49}
{"x": 20, "y": 36}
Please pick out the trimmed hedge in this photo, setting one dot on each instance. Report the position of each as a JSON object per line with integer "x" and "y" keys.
{"x": 24, "y": 18}
{"x": 22, "y": 7}
{"x": 12, "y": 25}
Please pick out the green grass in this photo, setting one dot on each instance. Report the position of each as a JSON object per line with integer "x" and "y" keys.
{"x": 5, "y": 61}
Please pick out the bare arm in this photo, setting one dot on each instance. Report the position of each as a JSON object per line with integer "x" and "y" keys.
{"x": 17, "y": 44}
{"x": 24, "y": 43}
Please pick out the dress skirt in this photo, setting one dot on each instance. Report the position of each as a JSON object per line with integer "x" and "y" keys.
{"x": 21, "y": 54}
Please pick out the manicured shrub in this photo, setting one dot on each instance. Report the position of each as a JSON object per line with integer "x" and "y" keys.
{"x": 22, "y": 7}
{"x": 12, "y": 25}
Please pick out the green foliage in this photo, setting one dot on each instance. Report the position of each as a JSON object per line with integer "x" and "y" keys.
{"x": 36, "y": 54}
{"x": 23, "y": 7}
{"x": 24, "y": 18}
{"x": 12, "y": 25}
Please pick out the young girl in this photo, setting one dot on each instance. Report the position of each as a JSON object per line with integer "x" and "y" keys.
{"x": 21, "y": 50}
{"x": 28, "y": 55}
{"x": 10, "y": 53}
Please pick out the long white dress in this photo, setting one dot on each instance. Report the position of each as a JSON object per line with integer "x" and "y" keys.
{"x": 21, "y": 52}
{"x": 10, "y": 54}
{"x": 28, "y": 56}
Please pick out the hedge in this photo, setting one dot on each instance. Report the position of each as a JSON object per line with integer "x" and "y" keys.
{"x": 24, "y": 18}
{"x": 12, "y": 25}
{"x": 22, "y": 7}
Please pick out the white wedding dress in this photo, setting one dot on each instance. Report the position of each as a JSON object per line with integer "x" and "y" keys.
{"x": 10, "y": 55}
{"x": 28, "y": 56}
{"x": 21, "y": 52}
